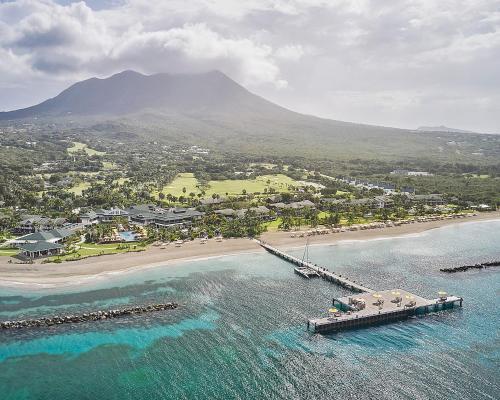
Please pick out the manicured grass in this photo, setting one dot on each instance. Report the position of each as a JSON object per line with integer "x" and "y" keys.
{"x": 278, "y": 182}
{"x": 233, "y": 187}
{"x": 8, "y": 252}
{"x": 272, "y": 226}
{"x": 77, "y": 146}
{"x": 185, "y": 180}
{"x": 79, "y": 188}
{"x": 94, "y": 249}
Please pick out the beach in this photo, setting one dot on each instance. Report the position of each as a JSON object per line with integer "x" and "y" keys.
{"x": 50, "y": 275}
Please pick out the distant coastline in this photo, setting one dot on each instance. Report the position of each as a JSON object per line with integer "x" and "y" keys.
{"x": 38, "y": 276}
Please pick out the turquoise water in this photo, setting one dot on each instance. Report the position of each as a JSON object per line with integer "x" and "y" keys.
{"x": 240, "y": 332}
{"x": 128, "y": 236}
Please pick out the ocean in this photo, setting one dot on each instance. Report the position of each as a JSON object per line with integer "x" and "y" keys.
{"x": 240, "y": 332}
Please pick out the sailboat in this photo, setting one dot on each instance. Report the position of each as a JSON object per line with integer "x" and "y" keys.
{"x": 303, "y": 270}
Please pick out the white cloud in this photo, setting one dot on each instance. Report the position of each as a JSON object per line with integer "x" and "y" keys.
{"x": 291, "y": 52}
{"x": 386, "y": 62}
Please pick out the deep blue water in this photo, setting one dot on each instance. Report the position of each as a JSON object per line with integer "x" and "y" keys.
{"x": 240, "y": 332}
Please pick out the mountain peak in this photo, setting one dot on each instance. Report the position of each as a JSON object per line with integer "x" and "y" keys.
{"x": 125, "y": 74}
{"x": 130, "y": 92}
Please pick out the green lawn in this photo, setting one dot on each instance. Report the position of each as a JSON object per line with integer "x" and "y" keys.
{"x": 77, "y": 146}
{"x": 232, "y": 186}
{"x": 93, "y": 249}
{"x": 79, "y": 188}
{"x": 273, "y": 226}
{"x": 8, "y": 252}
{"x": 279, "y": 182}
{"x": 185, "y": 180}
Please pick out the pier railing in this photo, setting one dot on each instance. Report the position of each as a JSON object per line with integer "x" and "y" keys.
{"x": 321, "y": 271}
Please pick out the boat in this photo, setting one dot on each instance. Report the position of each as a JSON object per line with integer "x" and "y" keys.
{"x": 306, "y": 272}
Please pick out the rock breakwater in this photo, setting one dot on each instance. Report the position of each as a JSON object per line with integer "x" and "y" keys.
{"x": 467, "y": 267}
{"x": 86, "y": 317}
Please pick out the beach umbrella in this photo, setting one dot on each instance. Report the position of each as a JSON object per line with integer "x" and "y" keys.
{"x": 396, "y": 293}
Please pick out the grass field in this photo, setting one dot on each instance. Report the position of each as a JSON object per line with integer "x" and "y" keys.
{"x": 77, "y": 146}
{"x": 79, "y": 188}
{"x": 8, "y": 252}
{"x": 91, "y": 249}
{"x": 231, "y": 186}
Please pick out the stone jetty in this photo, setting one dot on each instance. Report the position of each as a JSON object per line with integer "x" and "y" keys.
{"x": 86, "y": 317}
{"x": 467, "y": 267}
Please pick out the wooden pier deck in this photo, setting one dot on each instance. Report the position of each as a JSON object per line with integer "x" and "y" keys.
{"x": 375, "y": 312}
{"x": 321, "y": 271}
{"x": 368, "y": 307}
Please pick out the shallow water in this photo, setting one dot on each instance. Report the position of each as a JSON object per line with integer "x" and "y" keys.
{"x": 240, "y": 332}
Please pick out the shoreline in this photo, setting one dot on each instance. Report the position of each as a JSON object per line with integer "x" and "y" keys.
{"x": 38, "y": 276}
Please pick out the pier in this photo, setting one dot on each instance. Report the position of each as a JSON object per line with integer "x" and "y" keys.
{"x": 378, "y": 308}
{"x": 321, "y": 271}
{"x": 368, "y": 307}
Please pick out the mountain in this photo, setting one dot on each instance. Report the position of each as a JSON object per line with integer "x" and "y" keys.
{"x": 211, "y": 109}
{"x": 130, "y": 92}
{"x": 442, "y": 128}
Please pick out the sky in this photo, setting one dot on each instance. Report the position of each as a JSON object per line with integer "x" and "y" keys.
{"x": 403, "y": 63}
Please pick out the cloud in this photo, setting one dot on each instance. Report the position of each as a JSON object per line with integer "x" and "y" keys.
{"x": 195, "y": 47}
{"x": 72, "y": 39}
{"x": 374, "y": 61}
{"x": 291, "y": 52}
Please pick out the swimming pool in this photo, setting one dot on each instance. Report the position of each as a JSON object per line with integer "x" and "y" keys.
{"x": 128, "y": 236}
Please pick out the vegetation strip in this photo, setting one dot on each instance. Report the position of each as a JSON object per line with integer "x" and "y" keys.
{"x": 92, "y": 316}
{"x": 467, "y": 267}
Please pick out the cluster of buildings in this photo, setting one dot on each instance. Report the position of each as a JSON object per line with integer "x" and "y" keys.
{"x": 145, "y": 214}
{"x": 385, "y": 201}
{"x": 405, "y": 172}
{"x": 42, "y": 243}
{"x": 35, "y": 223}
{"x": 388, "y": 188}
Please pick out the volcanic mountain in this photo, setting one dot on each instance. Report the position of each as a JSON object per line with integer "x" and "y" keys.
{"x": 211, "y": 109}
{"x": 130, "y": 92}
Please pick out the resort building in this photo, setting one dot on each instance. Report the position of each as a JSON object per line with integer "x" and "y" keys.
{"x": 295, "y": 205}
{"x": 226, "y": 212}
{"x": 102, "y": 216}
{"x": 37, "y": 223}
{"x": 52, "y": 236}
{"x": 160, "y": 217}
{"x": 429, "y": 199}
{"x": 260, "y": 212}
{"x": 40, "y": 249}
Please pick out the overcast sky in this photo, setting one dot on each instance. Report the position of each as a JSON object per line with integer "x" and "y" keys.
{"x": 388, "y": 62}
